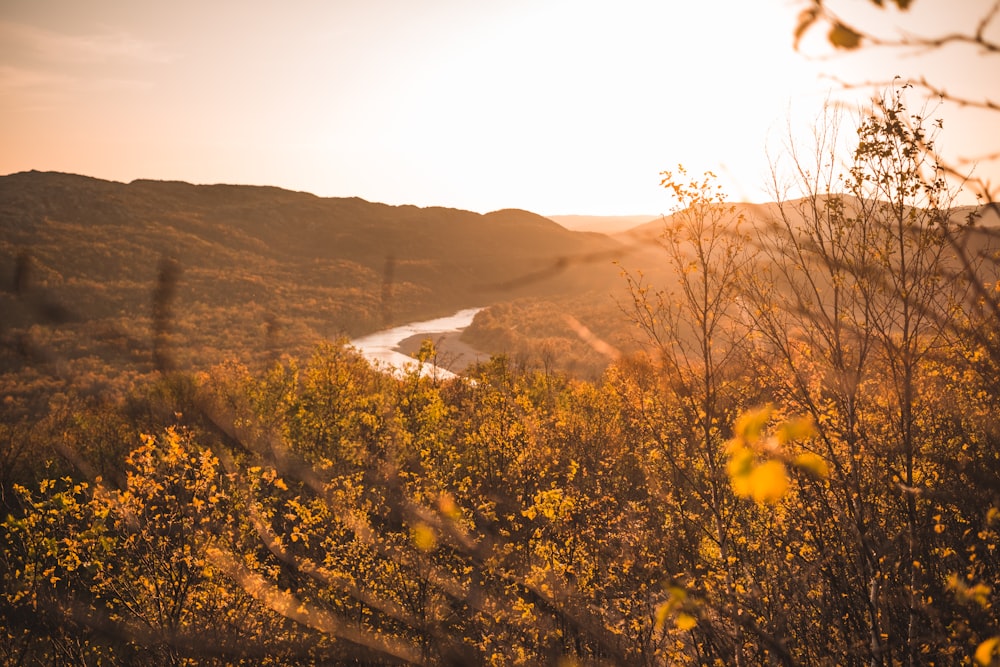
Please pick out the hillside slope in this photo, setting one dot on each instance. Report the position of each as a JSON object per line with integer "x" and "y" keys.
{"x": 90, "y": 270}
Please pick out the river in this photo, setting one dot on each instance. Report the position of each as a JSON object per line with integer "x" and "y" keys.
{"x": 383, "y": 347}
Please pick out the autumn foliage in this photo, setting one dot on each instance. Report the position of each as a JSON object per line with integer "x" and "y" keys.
{"x": 802, "y": 467}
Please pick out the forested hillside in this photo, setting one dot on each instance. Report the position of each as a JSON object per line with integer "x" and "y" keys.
{"x": 104, "y": 282}
{"x": 799, "y": 464}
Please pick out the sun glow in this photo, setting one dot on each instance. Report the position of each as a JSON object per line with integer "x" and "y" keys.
{"x": 556, "y": 107}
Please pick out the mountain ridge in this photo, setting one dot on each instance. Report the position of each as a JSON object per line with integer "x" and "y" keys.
{"x": 99, "y": 277}
{"x": 253, "y": 271}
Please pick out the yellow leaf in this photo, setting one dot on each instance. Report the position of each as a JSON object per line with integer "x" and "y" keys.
{"x": 423, "y": 537}
{"x": 993, "y": 514}
{"x": 685, "y": 622}
{"x": 767, "y": 483}
{"x": 448, "y": 507}
{"x": 796, "y": 430}
{"x": 843, "y": 37}
{"x": 986, "y": 651}
{"x": 661, "y": 616}
{"x": 741, "y": 462}
{"x": 807, "y": 17}
{"x": 812, "y": 463}
{"x": 750, "y": 424}
{"x": 742, "y": 486}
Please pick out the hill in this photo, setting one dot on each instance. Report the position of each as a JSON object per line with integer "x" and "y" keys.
{"x": 605, "y": 224}
{"x": 97, "y": 276}
{"x": 761, "y": 215}
{"x": 103, "y": 282}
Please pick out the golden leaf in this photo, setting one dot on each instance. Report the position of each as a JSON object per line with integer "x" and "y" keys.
{"x": 795, "y": 430}
{"x": 813, "y": 464}
{"x": 750, "y": 424}
{"x": 986, "y": 651}
{"x": 767, "y": 483}
{"x": 662, "y": 612}
{"x": 685, "y": 622}
{"x": 807, "y": 17}
{"x": 423, "y": 537}
{"x": 843, "y": 37}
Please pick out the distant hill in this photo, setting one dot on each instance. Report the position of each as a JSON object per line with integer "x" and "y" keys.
{"x": 91, "y": 269}
{"x": 763, "y": 214}
{"x": 604, "y": 224}
{"x": 102, "y": 283}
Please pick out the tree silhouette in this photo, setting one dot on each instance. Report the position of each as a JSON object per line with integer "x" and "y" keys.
{"x": 979, "y": 40}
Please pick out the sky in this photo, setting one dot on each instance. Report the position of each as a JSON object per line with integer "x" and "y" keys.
{"x": 554, "y": 106}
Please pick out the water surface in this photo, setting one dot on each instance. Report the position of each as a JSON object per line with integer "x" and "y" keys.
{"x": 382, "y": 347}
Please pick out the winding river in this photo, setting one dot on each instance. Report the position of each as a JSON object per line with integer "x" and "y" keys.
{"x": 383, "y": 347}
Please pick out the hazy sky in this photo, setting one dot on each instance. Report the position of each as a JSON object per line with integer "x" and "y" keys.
{"x": 556, "y": 106}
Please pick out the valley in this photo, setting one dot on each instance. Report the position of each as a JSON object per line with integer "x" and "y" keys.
{"x": 644, "y": 441}
{"x": 245, "y": 272}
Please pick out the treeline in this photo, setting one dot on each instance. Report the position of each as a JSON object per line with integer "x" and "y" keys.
{"x": 801, "y": 467}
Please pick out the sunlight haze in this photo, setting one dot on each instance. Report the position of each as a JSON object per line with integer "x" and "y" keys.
{"x": 557, "y": 107}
